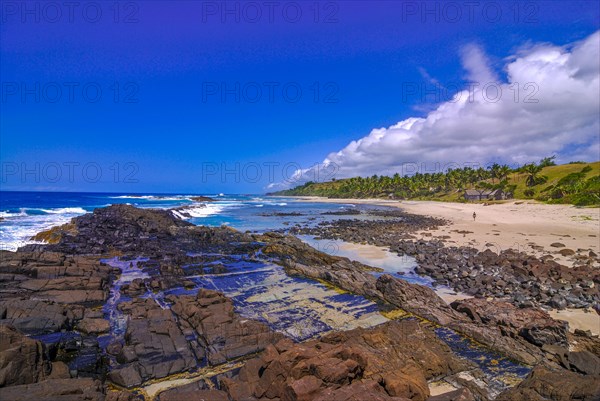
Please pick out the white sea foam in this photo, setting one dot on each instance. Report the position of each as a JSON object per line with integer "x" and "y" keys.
{"x": 8, "y": 215}
{"x": 132, "y": 197}
{"x": 178, "y": 215}
{"x": 198, "y": 211}
{"x": 17, "y": 234}
{"x": 153, "y": 197}
{"x": 64, "y": 210}
{"x": 24, "y": 212}
{"x": 18, "y": 228}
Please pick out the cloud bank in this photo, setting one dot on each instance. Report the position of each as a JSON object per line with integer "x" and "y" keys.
{"x": 556, "y": 110}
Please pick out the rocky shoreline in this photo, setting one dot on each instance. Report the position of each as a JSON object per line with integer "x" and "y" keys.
{"x": 513, "y": 276}
{"x": 112, "y": 309}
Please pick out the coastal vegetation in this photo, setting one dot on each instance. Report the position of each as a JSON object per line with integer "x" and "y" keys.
{"x": 575, "y": 183}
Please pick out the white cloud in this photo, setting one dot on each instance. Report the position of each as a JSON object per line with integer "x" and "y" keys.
{"x": 477, "y": 64}
{"x": 556, "y": 111}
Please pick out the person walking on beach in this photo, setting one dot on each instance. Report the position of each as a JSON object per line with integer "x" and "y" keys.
{"x": 474, "y": 215}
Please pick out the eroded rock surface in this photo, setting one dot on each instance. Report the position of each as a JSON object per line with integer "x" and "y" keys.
{"x": 21, "y": 358}
{"x": 155, "y": 346}
{"x": 534, "y": 325}
{"x": 222, "y": 333}
{"x": 56, "y": 390}
{"x": 299, "y": 258}
{"x": 162, "y": 325}
{"x": 390, "y": 362}
{"x": 551, "y": 384}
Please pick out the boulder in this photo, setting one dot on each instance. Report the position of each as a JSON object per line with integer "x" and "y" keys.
{"x": 462, "y": 394}
{"x": 544, "y": 384}
{"x": 93, "y": 326}
{"x": 60, "y": 370}
{"x": 37, "y": 317}
{"x": 566, "y": 252}
{"x": 126, "y": 376}
{"x": 532, "y": 324}
{"x": 22, "y": 360}
{"x": 392, "y": 361}
{"x": 224, "y": 333}
{"x": 584, "y": 362}
{"x": 155, "y": 346}
{"x": 55, "y": 390}
{"x": 359, "y": 390}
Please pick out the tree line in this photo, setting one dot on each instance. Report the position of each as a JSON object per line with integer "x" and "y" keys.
{"x": 572, "y": 188}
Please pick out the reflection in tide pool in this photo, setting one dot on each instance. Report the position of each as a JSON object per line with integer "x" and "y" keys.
{"x": 298, "y": 307}
{"x": 500, "y": 371}
{"x": 398, "y": 266}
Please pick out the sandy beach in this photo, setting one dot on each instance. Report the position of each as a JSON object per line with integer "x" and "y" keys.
{"x": 527, "y": 226}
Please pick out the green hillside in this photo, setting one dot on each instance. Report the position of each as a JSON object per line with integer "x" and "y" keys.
{"x": 577, "y": 183}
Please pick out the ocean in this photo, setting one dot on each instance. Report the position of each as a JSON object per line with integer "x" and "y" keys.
{"x": 24, "y": 214}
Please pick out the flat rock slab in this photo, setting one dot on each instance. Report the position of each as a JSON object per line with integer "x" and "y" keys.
{"x": 155, "y": 345}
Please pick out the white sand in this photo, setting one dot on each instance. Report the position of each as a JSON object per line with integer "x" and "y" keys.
{"x": 440, "y": 387}
{"x": 526, "y": 226}
{"x": 520, "y": 225}
{"x": 579, "y": 319}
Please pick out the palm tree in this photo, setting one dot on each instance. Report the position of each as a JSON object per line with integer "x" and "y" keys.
{"x": 548, "y": 161}
{"x": 533, "y": 176}
{"x": 503, "y": 172}
{"x": 494, "y": 171}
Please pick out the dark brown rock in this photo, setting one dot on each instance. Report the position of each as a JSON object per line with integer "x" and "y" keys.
{"x": 93, "y": 326}
{"x": 126, "y": 376}
{"x": 60, "y": 370}
{"x": 544, "y": 384}
{"x": 584, "y": 362}
{"x": 194, "y": 395}
{"x": 55, "y": 390}
{"x": 566, "y": 252}
{"x": 462, "y": 394}
{"x": 359, "y": 390}
{"x": 155, "y": 346}
{"x": 36, "y": 317}
{"x": 112, "y": 395}
{"x": 21, "y": 358}
{"x": 224, "y": 333}
{"x": 534, "y": 325}
{"x": 417, "y": 299}
{"x": 392, "y": 361}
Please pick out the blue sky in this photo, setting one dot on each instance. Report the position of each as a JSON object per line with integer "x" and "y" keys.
{"x": 165, "y": 121}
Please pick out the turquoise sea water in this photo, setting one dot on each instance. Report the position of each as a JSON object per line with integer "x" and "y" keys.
{"x": 24, "y": 214}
